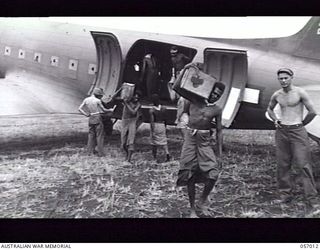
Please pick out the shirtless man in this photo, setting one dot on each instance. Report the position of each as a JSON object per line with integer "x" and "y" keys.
{"x": 178, "y": 62}
{"x": 129, "y": 119}
{"x": 198, "y": 162}
{"x": 158, "y": 134}
{"x": 150, "y": 75}
{"x": 291, "y": 137}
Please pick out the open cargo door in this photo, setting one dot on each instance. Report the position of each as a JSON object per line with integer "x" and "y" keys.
{"x": 109, "y": 59}
{"x": 231, "y": 68}
{"x": 313, "y": 127}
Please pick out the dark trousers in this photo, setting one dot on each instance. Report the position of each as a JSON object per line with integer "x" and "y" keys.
{"x": 293, "y": 151}
{"x": 96, "y": 135}
{"x": 152, "y": 83}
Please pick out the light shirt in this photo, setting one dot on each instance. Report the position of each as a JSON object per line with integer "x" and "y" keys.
{"x": 92, "y": 105}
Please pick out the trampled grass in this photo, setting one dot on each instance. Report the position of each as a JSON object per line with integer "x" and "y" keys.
{"x": 46, "y": 173}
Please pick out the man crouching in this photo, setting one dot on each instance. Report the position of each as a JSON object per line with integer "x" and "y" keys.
{"x": 198, "y": 163}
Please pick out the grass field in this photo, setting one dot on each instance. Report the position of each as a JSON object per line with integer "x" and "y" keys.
{"x": 46, "y": 173}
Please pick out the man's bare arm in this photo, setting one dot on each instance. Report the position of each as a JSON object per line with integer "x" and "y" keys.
{"x": 137, "y": 108}
{"x": 151, "y": 119}
{"x": 219, "y": 137}
{"x": 309, "y": 106}
{"x": 132, "y": 110}
{"x": 105, "y": 109}
{"x": 82, "y": 111}
{"x": 215, "y": 109}
{"x": 186, "y": 107}
{"x": 273, "y": 102}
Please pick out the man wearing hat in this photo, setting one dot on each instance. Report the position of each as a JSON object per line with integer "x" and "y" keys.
{"x": 178, "y": 61}
{"x": 92, "y": 107}
{"x": 292, "y": 145}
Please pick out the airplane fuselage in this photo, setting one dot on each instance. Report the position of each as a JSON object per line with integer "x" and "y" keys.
{"x": 51, "y": 67}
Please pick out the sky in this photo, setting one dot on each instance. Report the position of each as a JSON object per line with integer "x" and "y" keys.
{"x": 224, "y": 27}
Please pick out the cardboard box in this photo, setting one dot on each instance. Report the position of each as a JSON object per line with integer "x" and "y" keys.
{"x": 127, "y": 91}
{"x": 198, "y": 83}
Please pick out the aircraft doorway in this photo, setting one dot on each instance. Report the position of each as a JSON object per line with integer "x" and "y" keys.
{"x": 231, "y": 68}
{"x": 109, "y": 57}
{"x": 159, "y": 54}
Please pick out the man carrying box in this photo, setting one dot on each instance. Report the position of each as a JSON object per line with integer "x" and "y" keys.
{"x": 198, "y": 163}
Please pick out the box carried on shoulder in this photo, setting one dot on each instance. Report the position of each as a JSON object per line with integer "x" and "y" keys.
{"x": 194, "y": 85}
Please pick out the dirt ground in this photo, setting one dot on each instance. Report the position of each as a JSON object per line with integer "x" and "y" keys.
{"x": 46, "y": 173}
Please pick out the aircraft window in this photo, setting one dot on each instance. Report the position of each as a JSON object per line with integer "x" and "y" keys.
{"x": 73, "y": 64}
{"x": 22, "y": 53}
{"x": 37, "y": 57}
{"x": 7, "y": 51}
{"x": 92, "y": 69}
{"x": 54, "y": 61}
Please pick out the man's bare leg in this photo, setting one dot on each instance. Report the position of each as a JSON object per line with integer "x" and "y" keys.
{"x": 206, "y": 191}
{"x": 166, "y": 149}
{"x": 125, "y": 148}
{"x": 130, "y": 152}
{"x": 154, "y": 152}
{"x": 192, "y": 196}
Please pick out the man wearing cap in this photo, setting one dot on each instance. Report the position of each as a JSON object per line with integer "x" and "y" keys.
{"x": 198, "y": 163}
{"x": 178, "y": 61}
{"x": 92, "y": 107}
{"x": 292, "y": 145}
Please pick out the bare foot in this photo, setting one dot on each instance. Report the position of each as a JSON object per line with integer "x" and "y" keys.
{"x": 204, "y": 208}
{"x": 203, "y": 204}
{"x": 193, "y": 214}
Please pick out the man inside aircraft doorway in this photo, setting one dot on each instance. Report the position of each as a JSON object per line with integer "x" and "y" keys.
{"x": 178, "y": 61}
{"x": 292, "y": 145}
{"x": 198, "y": 163}
{"x": 92, "y": 107}
{"x": 149, "y": 78}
